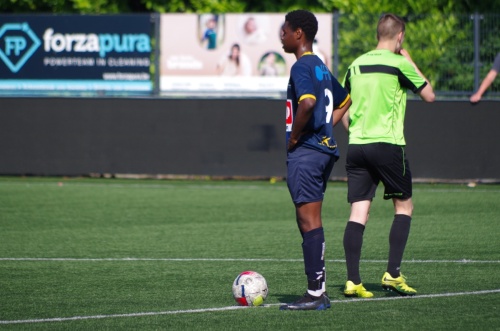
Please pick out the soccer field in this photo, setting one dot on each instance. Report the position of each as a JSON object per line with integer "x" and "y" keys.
{"x": 115, "y": 254}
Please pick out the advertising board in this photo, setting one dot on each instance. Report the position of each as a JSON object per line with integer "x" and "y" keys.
{"x": 230, "y": 52}
{"x": 76, "y": 52}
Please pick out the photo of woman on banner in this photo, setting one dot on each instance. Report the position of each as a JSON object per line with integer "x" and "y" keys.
{"x": 235, "y": 63}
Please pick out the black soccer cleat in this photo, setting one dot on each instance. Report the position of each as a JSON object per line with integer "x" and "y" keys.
{"x": 309, "y": 302}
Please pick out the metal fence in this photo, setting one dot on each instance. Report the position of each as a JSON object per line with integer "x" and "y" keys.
{"x": 455, "y": 52}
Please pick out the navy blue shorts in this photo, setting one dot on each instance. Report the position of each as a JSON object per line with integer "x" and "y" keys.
{"x": 308, "y": 172}
{"x": 368, "y": 165}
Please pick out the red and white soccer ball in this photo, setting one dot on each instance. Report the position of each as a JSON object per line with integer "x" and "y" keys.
{"x": 250, "y": 289}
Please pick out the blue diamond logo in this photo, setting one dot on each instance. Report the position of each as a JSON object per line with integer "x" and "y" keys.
{"x": 15, "y": 45}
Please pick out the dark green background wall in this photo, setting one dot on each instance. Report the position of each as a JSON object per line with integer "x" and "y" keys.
{"x": 226, "y": 137}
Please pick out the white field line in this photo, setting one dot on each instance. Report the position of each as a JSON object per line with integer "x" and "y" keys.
{"x": 125, "y": 259}
{"x": 205, "y": 310}
{"x": 62, "y": 184}
{"x": 459, "y": 189}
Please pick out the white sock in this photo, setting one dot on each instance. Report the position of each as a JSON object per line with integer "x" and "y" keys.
{"x": 316, "y": 293}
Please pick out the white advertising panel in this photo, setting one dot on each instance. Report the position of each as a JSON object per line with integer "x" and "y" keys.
{"x": 239, "y": 53}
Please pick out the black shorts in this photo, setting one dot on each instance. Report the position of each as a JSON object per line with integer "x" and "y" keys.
{"x": 368, "y": 165}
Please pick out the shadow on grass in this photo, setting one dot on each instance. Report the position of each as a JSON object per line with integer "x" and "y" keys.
{"x": 335, "y": 291}
{"x": 288, "y": 298}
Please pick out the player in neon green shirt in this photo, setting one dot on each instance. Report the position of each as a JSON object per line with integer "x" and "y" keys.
{"x": 377, "y": 82}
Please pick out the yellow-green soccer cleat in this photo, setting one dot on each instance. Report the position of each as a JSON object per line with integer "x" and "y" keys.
{"x": 397, "y": 285}
{"x": 358, "y": 291}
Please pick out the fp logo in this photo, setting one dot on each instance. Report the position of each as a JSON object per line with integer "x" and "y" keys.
{"x": 17, "y": 44}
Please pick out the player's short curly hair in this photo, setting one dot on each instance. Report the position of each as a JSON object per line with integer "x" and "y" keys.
{"x": 305, "y": 20}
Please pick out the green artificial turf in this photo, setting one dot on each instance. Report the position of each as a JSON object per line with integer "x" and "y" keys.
{"x": 115, "y": 254}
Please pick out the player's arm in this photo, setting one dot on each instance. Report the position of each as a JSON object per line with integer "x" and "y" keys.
{"x": 427, "y": 93}
{"x": 487, "y": 81}
{"x": 341, "y": 110}
{"x": 302, "y": 116}
{"x": 341, "y": 93}
{"x": 345, "y": 120}
{"x": 347, "y": 86}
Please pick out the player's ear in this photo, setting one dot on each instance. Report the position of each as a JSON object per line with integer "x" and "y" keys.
{"x": 401, "y": 37}
{"x": 299, "y": 33}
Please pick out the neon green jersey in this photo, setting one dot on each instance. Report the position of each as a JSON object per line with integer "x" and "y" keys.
{"x": 377, "y": 82}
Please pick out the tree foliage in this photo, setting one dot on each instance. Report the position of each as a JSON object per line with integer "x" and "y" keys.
{"x": 433, "y": 30}
{"x": 65, "y": 6}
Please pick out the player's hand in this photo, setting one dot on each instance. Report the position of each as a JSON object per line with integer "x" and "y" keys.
{"x": 291, "y": 144}
{"x": 405, "y": 53}
{"x": 475, "y": 98}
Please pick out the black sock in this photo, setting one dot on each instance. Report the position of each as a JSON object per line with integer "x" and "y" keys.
{"x": 353, "y": 241}
{"x": 313, "y": 246}
{"x": 398, "y": 237}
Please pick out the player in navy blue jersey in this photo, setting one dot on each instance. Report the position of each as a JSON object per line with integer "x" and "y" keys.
{"x": 315, "y": 103}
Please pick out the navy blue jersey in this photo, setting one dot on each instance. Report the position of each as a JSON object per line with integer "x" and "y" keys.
{"x": 310, "y": 78}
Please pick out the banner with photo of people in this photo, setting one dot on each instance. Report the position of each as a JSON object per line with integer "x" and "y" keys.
{"x": 230, "y": 52}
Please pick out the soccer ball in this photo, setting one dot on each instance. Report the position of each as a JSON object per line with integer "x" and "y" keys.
{"x": 250, "y": 289}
